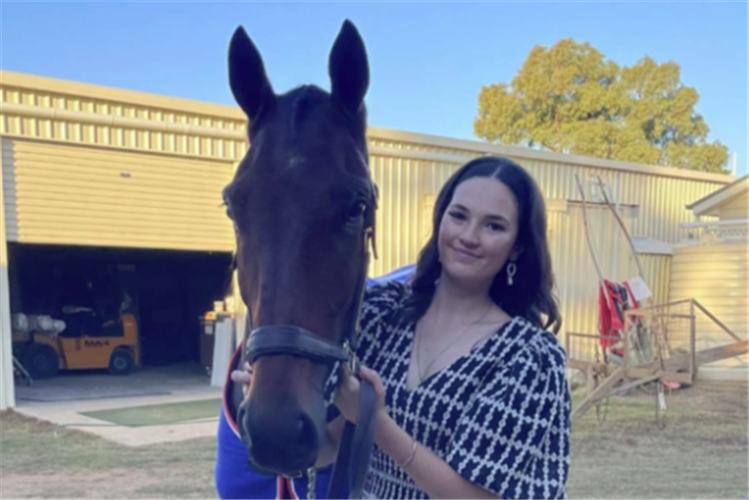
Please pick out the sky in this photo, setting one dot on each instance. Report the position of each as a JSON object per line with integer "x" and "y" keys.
{"x": 428, "y": 60}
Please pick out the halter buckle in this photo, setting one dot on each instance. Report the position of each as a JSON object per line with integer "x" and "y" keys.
{"x": 353, "y": 360}
{"x": 295, "y": 475}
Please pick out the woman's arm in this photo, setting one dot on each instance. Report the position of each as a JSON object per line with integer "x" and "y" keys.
{"x": 429, "y": 472}
{"x": 432, "y": 474}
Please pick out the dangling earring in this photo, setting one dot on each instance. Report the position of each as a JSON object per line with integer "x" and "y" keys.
{"x": 511, "y": 270}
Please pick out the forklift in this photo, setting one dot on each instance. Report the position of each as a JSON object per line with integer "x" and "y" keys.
{"x": 79, "y": 338}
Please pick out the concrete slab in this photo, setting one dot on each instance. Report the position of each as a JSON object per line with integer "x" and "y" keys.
{"x": 62, "y": 399}
{"x": 67, "y": 414}
{"x": 83, "y": 385}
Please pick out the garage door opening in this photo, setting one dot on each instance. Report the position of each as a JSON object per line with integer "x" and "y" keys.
{"x": 166, "y": 292}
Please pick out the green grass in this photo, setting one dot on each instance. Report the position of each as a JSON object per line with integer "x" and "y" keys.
{"x": 162, "y": 414}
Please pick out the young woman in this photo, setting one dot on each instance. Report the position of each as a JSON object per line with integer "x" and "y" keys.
{"x": 473, "y": 401}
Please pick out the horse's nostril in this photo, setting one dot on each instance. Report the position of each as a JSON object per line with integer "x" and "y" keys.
{"x": 305, "y": 431}
{"x": 243, "y": 425}
{"x": 241, "y": 414}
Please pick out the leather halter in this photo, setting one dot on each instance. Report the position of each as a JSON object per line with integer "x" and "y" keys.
{"x": 354, "y": 453}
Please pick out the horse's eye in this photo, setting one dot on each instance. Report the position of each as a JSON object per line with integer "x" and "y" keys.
{"x": 231, "y": 205}
{"x": 356, "y": 211}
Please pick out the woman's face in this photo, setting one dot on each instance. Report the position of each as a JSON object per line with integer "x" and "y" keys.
{"x": 478, "y": 231}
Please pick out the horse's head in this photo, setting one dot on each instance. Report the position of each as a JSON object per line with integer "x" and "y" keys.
{"x": 302, "y": 203}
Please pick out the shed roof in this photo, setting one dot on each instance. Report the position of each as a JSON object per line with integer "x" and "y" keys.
{"x": 710, "y": 203}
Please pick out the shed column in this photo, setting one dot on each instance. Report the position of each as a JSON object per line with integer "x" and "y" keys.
{"x": 7, "y": 389}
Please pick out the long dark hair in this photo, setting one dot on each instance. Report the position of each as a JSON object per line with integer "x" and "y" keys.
{"x": 531, "y": 294}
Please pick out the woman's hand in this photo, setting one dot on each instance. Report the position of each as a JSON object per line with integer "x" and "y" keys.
{"x": 243, "y": 377}
{"x": 347, "y": 393}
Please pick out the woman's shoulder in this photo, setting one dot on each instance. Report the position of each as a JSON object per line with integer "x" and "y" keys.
{"x": 533, "y": 343}
{"x": 528, "y": 358}
{"x": 380, "y": 314}
{"x": 391, "y": 286}
{"x": 386, "y": 295}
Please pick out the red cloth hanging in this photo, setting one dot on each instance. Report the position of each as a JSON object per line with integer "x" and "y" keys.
{"x": 611, "y": 307}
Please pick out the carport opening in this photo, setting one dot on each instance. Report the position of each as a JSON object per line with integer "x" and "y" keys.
{"x": 166, "y": 291}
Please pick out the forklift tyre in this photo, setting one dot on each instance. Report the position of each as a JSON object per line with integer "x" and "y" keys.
{"x": 41, "y": 361}
{"x": 121, "y": 362}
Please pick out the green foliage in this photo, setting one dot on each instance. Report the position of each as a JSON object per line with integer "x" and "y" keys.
{"x": 570, "y": 99}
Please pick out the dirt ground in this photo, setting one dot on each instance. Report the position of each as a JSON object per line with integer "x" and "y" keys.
{"x": 40, "y": 460}
{"x": 702, "y": 453}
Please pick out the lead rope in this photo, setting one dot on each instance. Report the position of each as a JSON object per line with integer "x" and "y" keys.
{"x": 311, "y": 480}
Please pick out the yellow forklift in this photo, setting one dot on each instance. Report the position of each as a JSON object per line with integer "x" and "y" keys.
{"x": 80, "y": 340}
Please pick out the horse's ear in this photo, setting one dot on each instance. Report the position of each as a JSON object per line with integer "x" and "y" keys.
{"x": 247, "y": 77}
{"x": 349, "y": 68}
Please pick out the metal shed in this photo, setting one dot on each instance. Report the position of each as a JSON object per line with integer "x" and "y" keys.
{"x": 93, "y": 166}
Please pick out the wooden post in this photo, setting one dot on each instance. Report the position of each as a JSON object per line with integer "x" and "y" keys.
{"x": 716, "y": 320}
{"x": 599, "y": 393}
{"x": 625, "y": 359}
{"x": 589, "y": 240}
{"x": 692, "y": 341}
{"x": 590, "y": 380}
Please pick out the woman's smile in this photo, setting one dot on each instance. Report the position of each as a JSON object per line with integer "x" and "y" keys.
{"x": 464, "y": 256}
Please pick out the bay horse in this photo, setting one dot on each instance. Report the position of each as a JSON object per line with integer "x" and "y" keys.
{"x": 302, "y": 204}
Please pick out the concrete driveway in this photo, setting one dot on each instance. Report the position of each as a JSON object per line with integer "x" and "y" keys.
{"x": 61, "y": 401}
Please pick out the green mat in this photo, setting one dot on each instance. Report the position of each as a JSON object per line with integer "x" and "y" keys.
{"x": 161, "y": 414}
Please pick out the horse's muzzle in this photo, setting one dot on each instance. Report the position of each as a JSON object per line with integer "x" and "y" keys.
{"x": 283, "y": 442}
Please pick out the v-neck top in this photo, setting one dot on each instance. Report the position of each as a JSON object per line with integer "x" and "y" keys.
{"x": 498, "y": 415}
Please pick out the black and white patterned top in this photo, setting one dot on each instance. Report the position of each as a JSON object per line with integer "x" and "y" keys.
{"x": 500, "y": 415}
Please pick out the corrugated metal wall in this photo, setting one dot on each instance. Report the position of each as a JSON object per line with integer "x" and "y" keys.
{"x": 661, "y": 199}
{"x": 406, "y": 201}
{"x": 716, "y": 276}
{"x": 172, "y": 145}
{"x": 576, "y": 276}
{"x": 175, "y": 115}
{"x": 657, "y": 271}
{"x": 80, "y": 195}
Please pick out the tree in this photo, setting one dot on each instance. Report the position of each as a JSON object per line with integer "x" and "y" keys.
{"x": 571, "y": 99}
